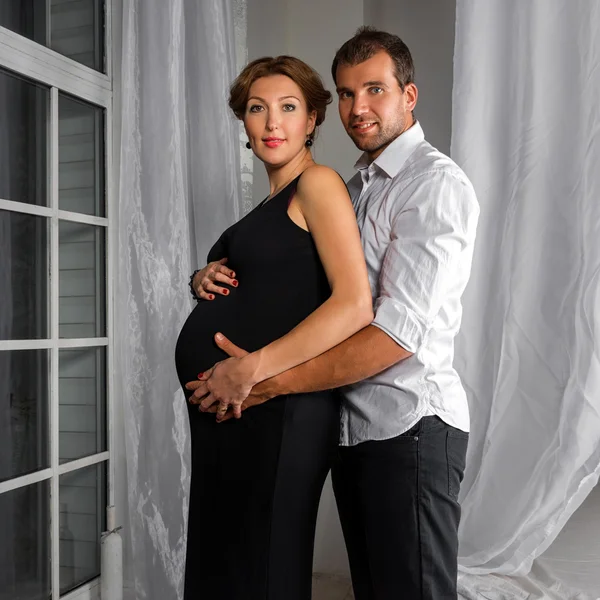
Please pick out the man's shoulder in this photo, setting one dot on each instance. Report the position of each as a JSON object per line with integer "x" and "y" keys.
{"x": 430, "y": 176}
{"x": 428, "y": 160}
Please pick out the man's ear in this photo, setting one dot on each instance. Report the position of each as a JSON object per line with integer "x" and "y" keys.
{"x": 412, "y": 94}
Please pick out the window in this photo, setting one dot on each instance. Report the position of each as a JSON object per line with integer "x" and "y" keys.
{"x": 55, "y": 295}
{"x": 73, "y": 28}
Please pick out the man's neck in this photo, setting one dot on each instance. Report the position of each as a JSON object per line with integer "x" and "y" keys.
{"x": 371, "y": 156}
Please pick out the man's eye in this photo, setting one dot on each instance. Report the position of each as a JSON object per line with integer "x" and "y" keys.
{"x": 376, "y": 90}
{"x": 345, "y": 95}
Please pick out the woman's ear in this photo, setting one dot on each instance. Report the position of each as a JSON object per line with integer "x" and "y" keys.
{"x": 312, "y": 123}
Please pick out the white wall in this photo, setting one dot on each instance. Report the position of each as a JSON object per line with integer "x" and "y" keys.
{"x": 427, "y": 28}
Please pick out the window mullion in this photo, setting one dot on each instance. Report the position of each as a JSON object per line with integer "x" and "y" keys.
{"x": 111, "y": 245}
{"x": 54, "y": 323}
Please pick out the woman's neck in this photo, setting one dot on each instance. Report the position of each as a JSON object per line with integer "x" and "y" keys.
{"x": 280, "y": 177}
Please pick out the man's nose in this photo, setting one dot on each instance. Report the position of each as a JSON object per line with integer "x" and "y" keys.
{"x": 359, "y": 106}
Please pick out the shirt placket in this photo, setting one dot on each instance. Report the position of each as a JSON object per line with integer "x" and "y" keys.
{"x": 367, "y": 179}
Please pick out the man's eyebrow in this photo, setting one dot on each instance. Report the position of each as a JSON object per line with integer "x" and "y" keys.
{"x": 372, "y": 83}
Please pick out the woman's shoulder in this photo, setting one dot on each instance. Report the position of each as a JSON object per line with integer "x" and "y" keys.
{"x": 319, "y": 179}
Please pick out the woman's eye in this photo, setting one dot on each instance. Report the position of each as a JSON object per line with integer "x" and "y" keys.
{"x": 255, "y": 108}
{"x": 289, "y": 107}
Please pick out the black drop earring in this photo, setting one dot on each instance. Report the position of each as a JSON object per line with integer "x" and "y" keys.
{"x": 248, "y": 145}
{"x": 308, "y": 142}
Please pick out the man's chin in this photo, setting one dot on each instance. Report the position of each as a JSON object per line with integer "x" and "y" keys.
{"x": 366, "y": 145}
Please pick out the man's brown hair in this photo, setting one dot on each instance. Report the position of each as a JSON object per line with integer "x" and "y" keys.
{"x": 367, "y": 42}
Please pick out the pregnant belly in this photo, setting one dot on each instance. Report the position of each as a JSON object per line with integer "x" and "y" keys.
{"x": 248, "y": 318}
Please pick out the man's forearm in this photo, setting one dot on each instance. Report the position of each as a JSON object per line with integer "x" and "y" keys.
{"x": 363, "y": 355}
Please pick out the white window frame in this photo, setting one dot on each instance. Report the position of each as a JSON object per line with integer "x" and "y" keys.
{"x": 61, "y": 74}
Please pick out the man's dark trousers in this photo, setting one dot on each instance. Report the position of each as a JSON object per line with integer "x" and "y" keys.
{"x": 398, "y": 505}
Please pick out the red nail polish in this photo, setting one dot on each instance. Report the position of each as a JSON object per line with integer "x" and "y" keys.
{"x": 211, "y": 297}
{"x": 234, "y": 283}
{"x": 226, "y": 292}
{"x": 200, "y": 375}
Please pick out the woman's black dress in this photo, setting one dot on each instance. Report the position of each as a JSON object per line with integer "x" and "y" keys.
{"x": 256, "y": 482}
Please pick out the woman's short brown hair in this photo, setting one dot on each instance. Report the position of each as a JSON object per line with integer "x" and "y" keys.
{"x": 308, "y": 80}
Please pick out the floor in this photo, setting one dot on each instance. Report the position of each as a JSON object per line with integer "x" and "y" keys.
{"x": 331, "y": 587}
{"x": 574, "y": 557}
{"x": 568, "y": 570}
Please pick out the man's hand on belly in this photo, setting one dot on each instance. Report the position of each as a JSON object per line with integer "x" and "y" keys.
{"x": 260, "y": 393}
{"x": 366, "y": 353}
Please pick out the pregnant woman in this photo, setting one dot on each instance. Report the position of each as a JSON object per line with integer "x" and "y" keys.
{"x": 257, "y": 480}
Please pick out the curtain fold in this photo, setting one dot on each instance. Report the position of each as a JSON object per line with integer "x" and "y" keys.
{"x": 526, "y": 129}
{"x": 179, "y": 187}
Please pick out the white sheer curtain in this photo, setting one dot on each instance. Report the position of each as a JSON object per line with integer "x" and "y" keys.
{"x": 180, "y": 186}
{"x": 526, "y": 129}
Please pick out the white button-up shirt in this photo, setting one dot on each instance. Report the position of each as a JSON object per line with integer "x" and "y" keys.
{"x": 417, "y": 213}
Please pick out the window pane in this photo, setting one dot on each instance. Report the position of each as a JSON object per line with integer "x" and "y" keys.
{"x": 82, "y": 401}
{"x": 25, "y": 17}
{"x": 25, "y": 543}
{"x": 23, "y": 121}
{"x": 24, "y": 437}
{"x": 76, "y": 27}
{"x": 24, "y": 277}
{"x": 23, "y": 412}
{"x": 82, "y": 519}
{"x": 82, "y": 285}
{"x": 81, "y": 157}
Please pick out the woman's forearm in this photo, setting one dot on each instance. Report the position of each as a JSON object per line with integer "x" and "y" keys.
{"x": 334, "y": 321}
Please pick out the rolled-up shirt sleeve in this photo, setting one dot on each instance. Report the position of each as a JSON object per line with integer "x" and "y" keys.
{"x": 431, "y": 238}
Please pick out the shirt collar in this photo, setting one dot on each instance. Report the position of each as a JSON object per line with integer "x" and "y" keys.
{"x": 394, "y": 156}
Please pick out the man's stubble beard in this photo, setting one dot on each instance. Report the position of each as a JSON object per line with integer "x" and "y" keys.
{"x": 382, "y": 139}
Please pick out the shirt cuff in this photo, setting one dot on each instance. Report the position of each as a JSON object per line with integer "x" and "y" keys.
{"x": 400, "y": 323}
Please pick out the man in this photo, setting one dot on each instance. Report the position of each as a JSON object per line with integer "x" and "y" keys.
{"x": 404, "y": 418}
